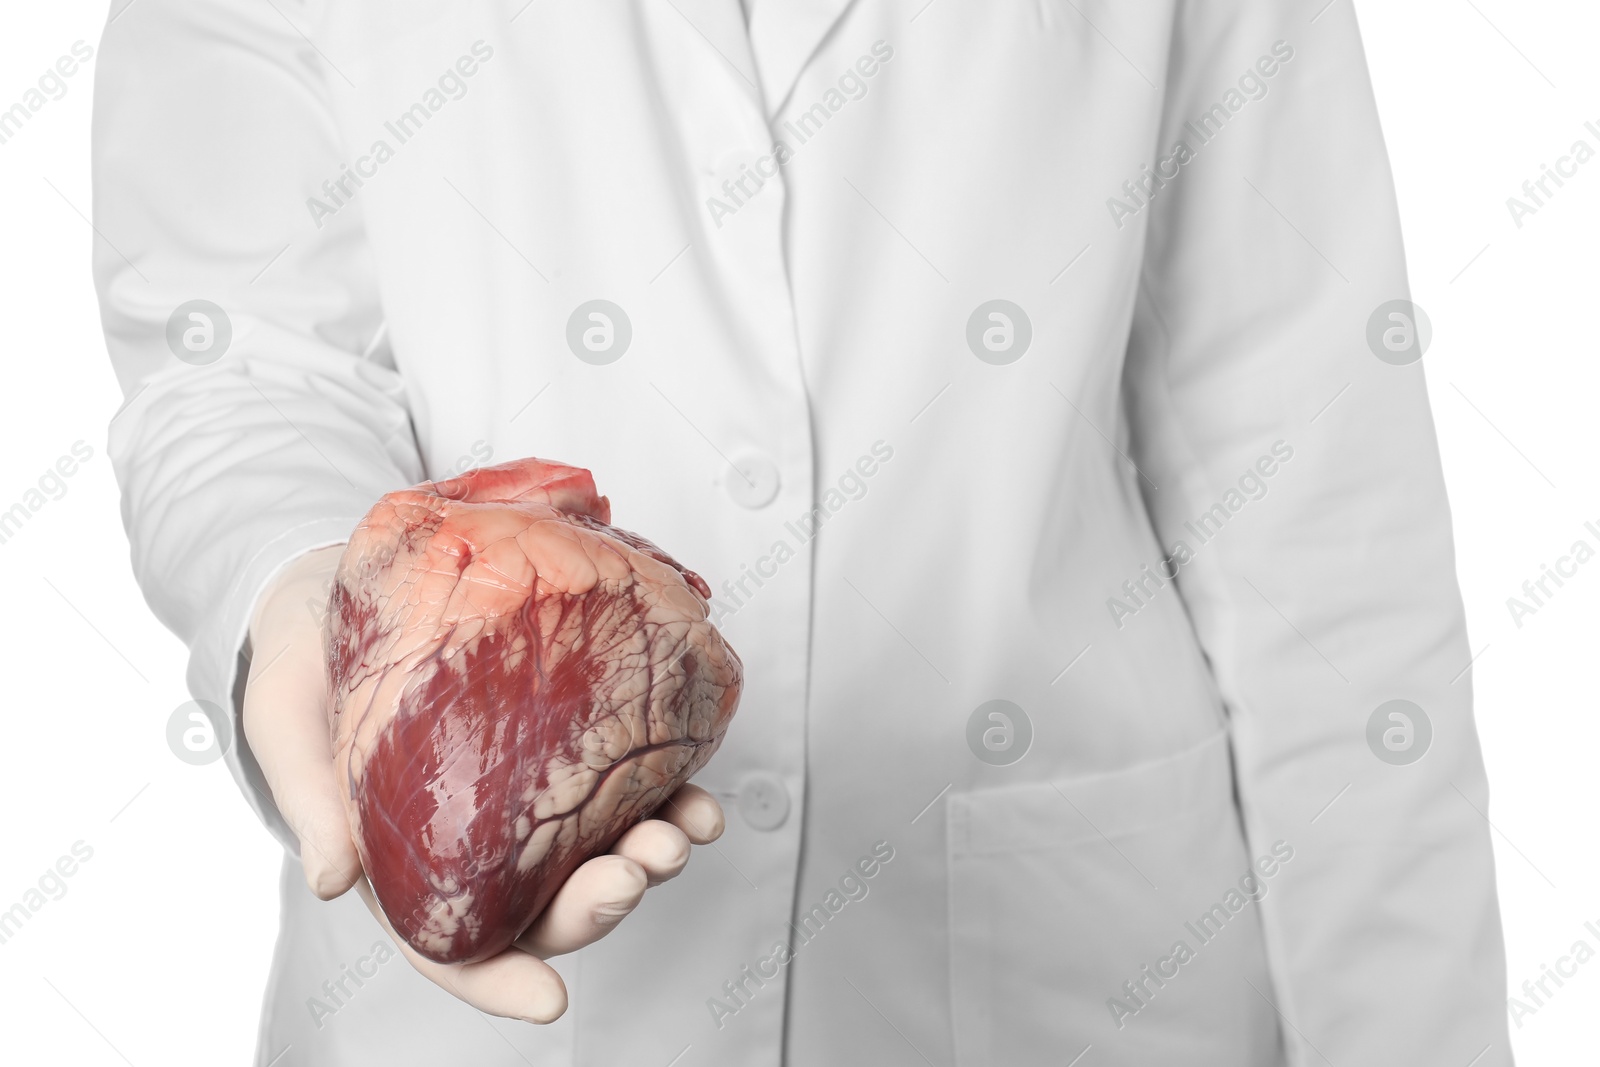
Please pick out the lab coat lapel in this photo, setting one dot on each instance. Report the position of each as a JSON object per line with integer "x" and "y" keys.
{"x": 785, "y": 35}
{"x": 719, "y": 26}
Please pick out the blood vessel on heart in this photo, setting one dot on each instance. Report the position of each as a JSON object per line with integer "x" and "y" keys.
{"x": 515, "y": 682}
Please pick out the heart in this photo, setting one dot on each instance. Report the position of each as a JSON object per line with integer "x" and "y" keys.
{"x": 515, "y": 682}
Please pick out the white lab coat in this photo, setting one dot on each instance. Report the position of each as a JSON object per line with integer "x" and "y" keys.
{"x": 1194, "y": 369}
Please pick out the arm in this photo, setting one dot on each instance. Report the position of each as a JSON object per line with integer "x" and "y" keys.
{"x": 1335, "y": 591}
{"x": 244, "y": 470}
{"x": 210, "y": 126}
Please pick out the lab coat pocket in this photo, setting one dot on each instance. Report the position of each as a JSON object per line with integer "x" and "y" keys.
{"x": 1118, "y": 911}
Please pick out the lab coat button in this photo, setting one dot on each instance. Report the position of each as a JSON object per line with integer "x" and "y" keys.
{"x": 764, "y": 802}
{"x": 752, "y": 481}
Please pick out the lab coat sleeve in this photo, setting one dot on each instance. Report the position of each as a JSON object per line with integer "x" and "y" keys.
{"x": 1326, "y": 587}
{"x": 211, "y": 130}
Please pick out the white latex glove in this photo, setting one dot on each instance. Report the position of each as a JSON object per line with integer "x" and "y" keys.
{"x": 286, "y": 724}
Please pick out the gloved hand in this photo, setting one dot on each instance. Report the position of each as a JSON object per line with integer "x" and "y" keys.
{"x": 286, "y": 724}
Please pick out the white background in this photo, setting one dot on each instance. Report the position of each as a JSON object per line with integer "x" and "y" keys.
{"x": 158, "y": 952}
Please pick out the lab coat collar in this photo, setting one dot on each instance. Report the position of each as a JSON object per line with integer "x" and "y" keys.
{"x": 785, "y": 34}
{"x": 719, "y": 25}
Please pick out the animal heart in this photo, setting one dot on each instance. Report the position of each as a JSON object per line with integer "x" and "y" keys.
{"x": 515, "y": 682}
